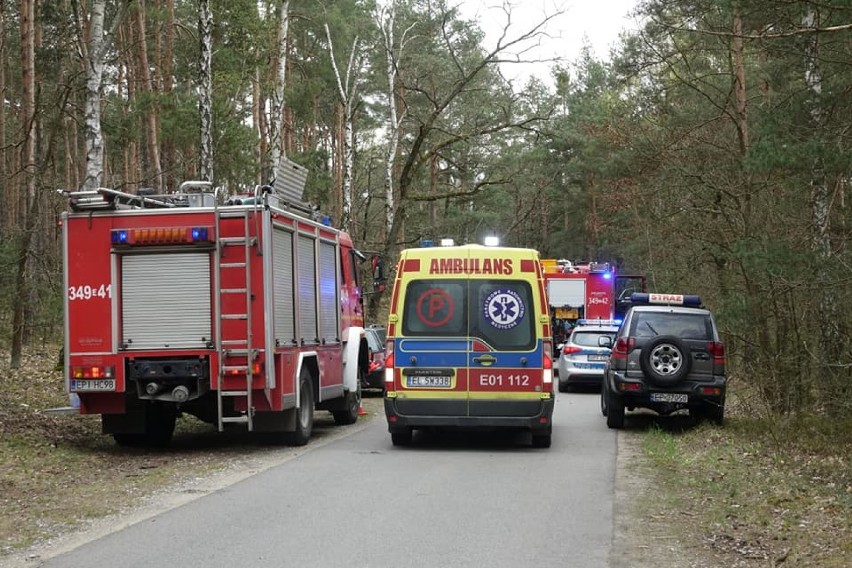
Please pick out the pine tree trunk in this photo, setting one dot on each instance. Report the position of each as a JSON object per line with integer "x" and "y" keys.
{"x": 154, "y": 176}
{"x": 28, "y": 119}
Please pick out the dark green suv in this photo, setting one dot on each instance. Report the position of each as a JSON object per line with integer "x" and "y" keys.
{"x": 666, "y": 356}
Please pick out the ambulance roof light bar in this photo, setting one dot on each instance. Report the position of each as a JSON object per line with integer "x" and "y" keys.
{"x": 492, "y": 241}
{"x": 447, "y": 242}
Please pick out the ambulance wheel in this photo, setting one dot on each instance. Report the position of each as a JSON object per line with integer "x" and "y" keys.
{"x": 350, "y": 415}
{"x": 304, "y": 414}
{"x": 402, "y": 437}
{"x": 541, "y": 440}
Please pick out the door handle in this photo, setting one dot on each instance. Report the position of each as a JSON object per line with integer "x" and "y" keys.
{"x": 485, "y": 360}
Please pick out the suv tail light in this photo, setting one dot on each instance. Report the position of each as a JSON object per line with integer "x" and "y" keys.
{"x": 622, "y": 347}
{"x": 569, "y": 349}
{"x": 717, "y": 350}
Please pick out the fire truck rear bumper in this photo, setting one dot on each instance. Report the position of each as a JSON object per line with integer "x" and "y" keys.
{"x": 485, "y": 415}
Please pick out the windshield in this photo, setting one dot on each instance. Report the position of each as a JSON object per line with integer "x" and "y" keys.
{"x": 497, "y": 312}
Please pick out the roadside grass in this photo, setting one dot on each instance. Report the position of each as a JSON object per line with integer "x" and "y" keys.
{"x": 761, "y": 491}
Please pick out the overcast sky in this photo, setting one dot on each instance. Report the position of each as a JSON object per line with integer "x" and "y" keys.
{"x": 599, "y": 21}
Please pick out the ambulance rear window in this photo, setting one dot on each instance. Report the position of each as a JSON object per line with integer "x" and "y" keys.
{"x": 498, "y": 312}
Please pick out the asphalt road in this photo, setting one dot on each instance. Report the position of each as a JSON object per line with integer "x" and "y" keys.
{"x": 450, "y": 500}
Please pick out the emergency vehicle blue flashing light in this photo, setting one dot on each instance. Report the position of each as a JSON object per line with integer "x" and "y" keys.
{"x": 426, "y": 243}
{"x": 326, "y": 220}
{"x": 119, "y": 237}
{"x": 607, "y": 275}
{"x": 199, "y": 234}
{"x": 598, "y": 322}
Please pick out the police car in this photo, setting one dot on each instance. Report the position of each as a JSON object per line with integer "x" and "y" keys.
{"x": 583, "y": 356}
{"x": 666, "y": 356}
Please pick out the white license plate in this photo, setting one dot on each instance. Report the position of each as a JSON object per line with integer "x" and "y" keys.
{"x": 598, "y": 357}
{"x": 669, "y": 397}
{"x": 90, "y": 385}
{"x": 427, "y": 382}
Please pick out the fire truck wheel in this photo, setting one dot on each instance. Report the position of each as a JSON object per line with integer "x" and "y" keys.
{"x": 159, "y": 428}
{"x": 305, "y": 416}
{"x": 350, "y": 414}
{"x": 159, "y": 425}
{"x": 128, "y": 440}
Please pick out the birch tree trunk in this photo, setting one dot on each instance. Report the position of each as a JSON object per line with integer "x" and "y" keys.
{"x": 94, "y": 74}
{"x": 205, "y": 95}
{"x": 346, "y": 90}
{"x": 276, "y": 119}
{"x": 831, "y": 343}
{"x": 387, "y": 21}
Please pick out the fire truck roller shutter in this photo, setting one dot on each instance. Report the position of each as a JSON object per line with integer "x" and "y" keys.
{"x": 307, "y": 291}
{"x": 284, "y": 311}
{"x": 328, "y": 288}
{"x": 166, "y": 301}
{"x": 566, "y": 293}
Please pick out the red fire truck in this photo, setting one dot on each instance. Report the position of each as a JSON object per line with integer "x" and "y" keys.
{"x": 585, "y": 290}
{"x": 247, "y": 314}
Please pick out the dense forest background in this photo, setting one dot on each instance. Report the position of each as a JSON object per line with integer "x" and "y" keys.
{"x": 711, "y": 151}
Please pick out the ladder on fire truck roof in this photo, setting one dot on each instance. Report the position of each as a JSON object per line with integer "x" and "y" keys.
{"x": 236, "y": 355}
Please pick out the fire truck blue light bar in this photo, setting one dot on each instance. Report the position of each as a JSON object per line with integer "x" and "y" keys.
{"x": 161, "y": 236}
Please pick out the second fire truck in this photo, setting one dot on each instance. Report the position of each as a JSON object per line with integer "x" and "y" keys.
{"x": 585, "y": 290}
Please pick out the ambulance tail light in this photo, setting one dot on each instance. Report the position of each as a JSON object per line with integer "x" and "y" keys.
{"x": 389, "y": 363}
{"x": 547, "y": 363}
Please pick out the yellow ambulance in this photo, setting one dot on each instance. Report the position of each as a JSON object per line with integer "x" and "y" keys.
{"x": 469, "y": 343}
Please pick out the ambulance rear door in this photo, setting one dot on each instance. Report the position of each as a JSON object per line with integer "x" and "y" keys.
{"x": 505, "y": 358}
{"x": 432, "y": 347}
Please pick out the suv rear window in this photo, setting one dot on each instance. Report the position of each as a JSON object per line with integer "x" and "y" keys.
{"x": 687, "y": 326}
{"x": 498, "y": 312}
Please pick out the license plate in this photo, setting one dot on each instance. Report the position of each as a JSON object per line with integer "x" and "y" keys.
{"x": 84, "y": 385}
{"x": 598, "y": 357}
{"x": 440, "y": 382}
{"x": 669, "y": 397}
